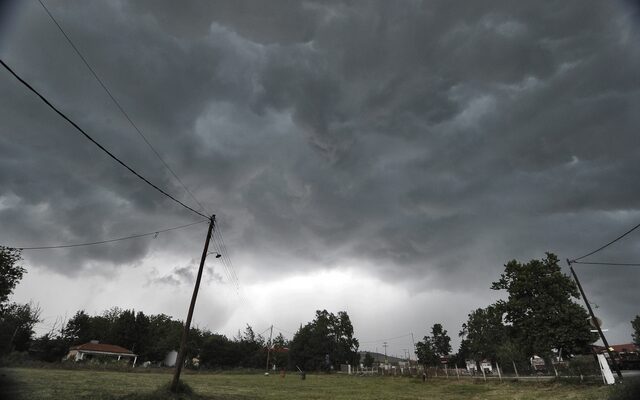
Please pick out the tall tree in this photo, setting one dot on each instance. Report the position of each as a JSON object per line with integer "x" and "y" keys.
{"x": 16, "y": 320}
{"x": 16, "y": 326}
{"x": 541, "y": 309}
{"x": 78, "y": 329}
{"x": 441, "y": 340}
{"x": 431, "y": 348}
{"x": 426, "y": 352}
{"x": 483, "y": 333}
{"x": 220, "y": 352}
{"x": 325, "y": 342}
{"x": 280, "y": 351}
{"x": 368, "y": 360}
{"x": 635, "y": 324}
{"x": 10, "y": 272}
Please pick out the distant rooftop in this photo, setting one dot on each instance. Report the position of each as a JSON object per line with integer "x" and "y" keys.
{"x": 101, "y": 348}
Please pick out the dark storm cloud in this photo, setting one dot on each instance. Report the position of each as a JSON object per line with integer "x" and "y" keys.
{"x": 436, "y": 140}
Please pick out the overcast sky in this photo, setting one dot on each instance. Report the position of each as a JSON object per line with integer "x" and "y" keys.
{"x": 382, "y": 158}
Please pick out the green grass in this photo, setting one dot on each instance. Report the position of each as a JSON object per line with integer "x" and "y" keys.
{"x": 33, "y": 383}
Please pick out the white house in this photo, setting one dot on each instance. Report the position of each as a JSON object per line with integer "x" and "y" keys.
{"x": 94, "y": 348}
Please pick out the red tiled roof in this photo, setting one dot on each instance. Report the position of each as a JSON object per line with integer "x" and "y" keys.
{"x": 102, "y": 347}
{"x": 278, "y": 349}
{"x": 625, "y": 348}
{"x": 620, "y": 348}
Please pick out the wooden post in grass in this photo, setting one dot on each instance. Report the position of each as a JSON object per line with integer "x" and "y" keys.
{"x": 457, "y": 373}
{"x": 498, "y": 368}
{"x": 483, "y": 374}
{"x": 515, "y": 369}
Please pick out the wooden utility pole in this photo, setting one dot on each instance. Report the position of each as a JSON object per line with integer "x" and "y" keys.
{"x": 187, "y": 324}
{"x": 595, "y": 322}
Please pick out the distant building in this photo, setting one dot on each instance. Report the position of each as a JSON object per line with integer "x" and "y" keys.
{"x": 485, "y": 365}
{"x": 471, "y": 366}
{"x": 537, "y": 363}
{"x": 627, "y": 355}
{"x": 94, "y": 349}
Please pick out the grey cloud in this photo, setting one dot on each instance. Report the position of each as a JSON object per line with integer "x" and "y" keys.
{"x": 435, "y": 140}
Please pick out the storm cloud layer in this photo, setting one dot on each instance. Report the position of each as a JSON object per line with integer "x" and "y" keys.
{"x": 420, "y": 144}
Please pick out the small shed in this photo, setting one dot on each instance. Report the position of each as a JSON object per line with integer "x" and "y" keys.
{"x": 94, "y": 348}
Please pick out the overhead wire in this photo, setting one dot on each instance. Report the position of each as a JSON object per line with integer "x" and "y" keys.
{"x": 606, "y": 245}
{"x": 226, "y": 258}
{"x": 606, "y": 263}
{"x": 119, "y": 106}
{"x": 92, "y": 140}
{"x": 223, "y": 251}
{"x": 64, "y": 246}
{"x": 224, "y": 265}
{"x": 280, "y": 330}
{"x": 387, "y": 339}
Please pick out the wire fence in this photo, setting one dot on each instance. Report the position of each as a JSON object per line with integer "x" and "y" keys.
{"x": 580, "y": 368}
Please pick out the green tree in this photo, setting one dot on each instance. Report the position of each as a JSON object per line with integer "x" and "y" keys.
{"x": 325, "y": 342}
{"x": 483, "y": 333}
{"x": 164, "y": 335}
{"x": 251, "y": 349}
{"x": 16, "y": 326}
{"x": 635, "y": 324}
{"x": 10, "y": 272}
{"x": 431, "y": 348}
{"x": 78, "y": 329}
{"x": 220, "y": 352}
{"x": 16, "y": 320}
{"x": 426, "y": 352}
{"x": 441, "y": 340}
{"x": 541, "y": 309}
{"x": 280, "y": 351}
{"x": 368, "y": 360}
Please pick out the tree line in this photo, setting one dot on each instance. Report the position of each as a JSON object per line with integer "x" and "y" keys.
{"x": 539, "y": 316}
{"x": 321, "y": 344}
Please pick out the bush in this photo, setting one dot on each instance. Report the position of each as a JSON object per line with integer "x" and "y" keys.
{"x": 15, "y": 358}
{"x": 583, "y": 365}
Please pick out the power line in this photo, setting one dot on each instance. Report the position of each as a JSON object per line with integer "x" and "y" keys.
{"x": 64, "y": 246}
{"x": 385, "y": 340}
{"x": 608, "y": 244}
{"x": 606, "y": 263}
{"x": 225, "y": 256}
{"x": 118, "y": 105}
{"x": 96, "y": 143}
{"x": 284, "y": 330}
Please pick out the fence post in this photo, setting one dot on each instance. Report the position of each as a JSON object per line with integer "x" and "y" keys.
{"x": 498, "y": 368}
{"x": 457, "y": 373}
{"x": 515, "y": 369}
{"x": 483, "y": 374}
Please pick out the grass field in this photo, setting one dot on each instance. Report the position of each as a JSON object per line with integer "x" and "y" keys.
{"x": 32, "y": 383}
